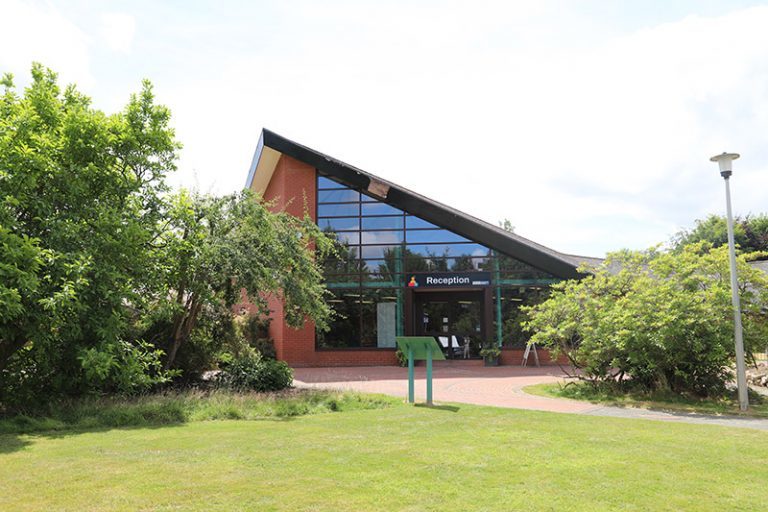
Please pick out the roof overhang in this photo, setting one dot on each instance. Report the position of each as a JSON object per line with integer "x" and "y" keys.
{"x": 272, "y": 145}
{"x": 262, "y": 167}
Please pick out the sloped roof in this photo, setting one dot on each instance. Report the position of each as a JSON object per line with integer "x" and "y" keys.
{"x": 551, "y": 261}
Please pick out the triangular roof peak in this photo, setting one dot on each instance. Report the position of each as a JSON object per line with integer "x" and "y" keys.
{"x": 272, "y": 145}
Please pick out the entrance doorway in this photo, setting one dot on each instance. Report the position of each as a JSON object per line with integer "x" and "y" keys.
{"x": 455, "y": 318}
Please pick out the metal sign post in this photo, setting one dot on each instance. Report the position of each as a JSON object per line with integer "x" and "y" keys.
{"x": 423, "y": 348}
{"x": 411, "y": 398}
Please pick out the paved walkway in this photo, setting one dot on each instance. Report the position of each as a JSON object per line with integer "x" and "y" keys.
{"x": 500, "y": 386}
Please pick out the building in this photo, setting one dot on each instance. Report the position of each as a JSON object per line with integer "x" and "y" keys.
{"x": 407, "y": 265}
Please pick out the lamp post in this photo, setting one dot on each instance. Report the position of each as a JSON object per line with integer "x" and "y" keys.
{"x": 725, "y": 161}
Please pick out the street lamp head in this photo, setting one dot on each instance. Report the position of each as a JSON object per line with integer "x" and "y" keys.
{"x": 725, "y": 161}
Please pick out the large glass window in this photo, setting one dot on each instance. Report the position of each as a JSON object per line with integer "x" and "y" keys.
{"x": 339, "y": 224}
{"x": 383, "y": 223}
{"x": 512, "y": 299}
{"x": 340, "y": 195}
{"x": 338, "y": 209}
{"x": 377, "y": 245}
{"x": 426, "y": 236}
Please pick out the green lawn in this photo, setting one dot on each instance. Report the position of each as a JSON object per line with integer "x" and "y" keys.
{"x": 463, "y": 458}
{"x": 758, "y": 405}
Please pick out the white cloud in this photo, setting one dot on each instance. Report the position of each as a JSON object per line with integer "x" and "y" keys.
{"x": 117, "y": 30}
{"x": 33, "y": 31}
{"x": 586, "y": 136}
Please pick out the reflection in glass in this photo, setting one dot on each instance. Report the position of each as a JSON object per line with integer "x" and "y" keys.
{"x": 323, "y": 182}
{"x": 449, "y": 250}
{"x": 434, "y": 236}
{"x": 348, "y": 237}
{"x": 344, "y": 261}
{"x": 338, "y": 210}
{"x": 376, "y": 251}
{"x": 412, "y": 222}
{"x": 379, "y": 209}
{"x": 382, "y": 237}
{"x": 512, "y": 299}
{"x": 511, "y": 268}
{"x": 382, "y": 223}
{"x": 339, "y": 224}
{"x": 342, "y": 195}
{"x": 345, "y": 328}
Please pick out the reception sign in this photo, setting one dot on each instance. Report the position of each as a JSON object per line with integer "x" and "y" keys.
{"x": 449, "y": 279}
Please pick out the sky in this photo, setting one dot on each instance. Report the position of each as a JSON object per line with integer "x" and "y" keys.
{"x": 588, "y": 124}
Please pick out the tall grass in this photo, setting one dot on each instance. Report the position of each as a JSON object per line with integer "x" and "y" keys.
{"x": 180, "y": 407}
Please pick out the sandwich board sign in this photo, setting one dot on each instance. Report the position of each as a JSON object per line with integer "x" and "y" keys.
{"x": 419, "y": 348}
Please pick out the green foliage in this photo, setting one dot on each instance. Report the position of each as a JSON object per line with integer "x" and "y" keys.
{"x": 123, "y": 367}
{"x": 490, "y": 351}
{"x": 215, "y": 247}
{"x": 174, "y": 408}
{"x": 251, "y": 334}
{"x": 103, "y": 274}
{"x": 254, "y": 373}
{"x": 80, "y": 198}
{"x": 661, "y": 321}
{"x": 402, "y": 359}
{"x": 749, "y": 233}
{"x": 507, "y": 225}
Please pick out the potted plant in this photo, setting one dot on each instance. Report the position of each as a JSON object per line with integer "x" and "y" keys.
{"x": 490, "y": 354}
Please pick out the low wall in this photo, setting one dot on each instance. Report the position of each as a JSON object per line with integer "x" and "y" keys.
{"x": 342, "y": 357}
{"x": 514, "y": 357}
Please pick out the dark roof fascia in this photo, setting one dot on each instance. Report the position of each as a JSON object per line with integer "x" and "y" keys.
{"x": 432, "y": 211}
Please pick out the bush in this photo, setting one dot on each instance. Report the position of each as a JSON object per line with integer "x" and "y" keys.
{"x": 252, "y": 332}
{"x": 255, "y": 373}
{"x": 653, "y": 320}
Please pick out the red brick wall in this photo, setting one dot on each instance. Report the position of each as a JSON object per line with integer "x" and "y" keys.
{"x": 291, "y": 183}
{"x": 293, "y": 188}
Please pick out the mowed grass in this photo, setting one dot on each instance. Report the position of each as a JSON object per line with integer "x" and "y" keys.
{"x": 399, "y": 458}
{"x": 758, "y": 405}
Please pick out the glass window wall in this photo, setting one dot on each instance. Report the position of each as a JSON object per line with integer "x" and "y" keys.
{"x": 377, "y": 246}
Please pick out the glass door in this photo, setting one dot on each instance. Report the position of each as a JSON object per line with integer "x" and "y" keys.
{"x": 455, "y": 319}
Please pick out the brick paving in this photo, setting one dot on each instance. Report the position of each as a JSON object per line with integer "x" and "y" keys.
{"x": 496, "y": 386}
{"x": 499, "y": 386}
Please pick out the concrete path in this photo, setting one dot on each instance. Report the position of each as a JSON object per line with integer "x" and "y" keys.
{"x": 500, "y": 386}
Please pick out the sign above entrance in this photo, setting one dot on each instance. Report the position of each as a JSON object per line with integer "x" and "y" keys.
{"x": 449, "y": 279}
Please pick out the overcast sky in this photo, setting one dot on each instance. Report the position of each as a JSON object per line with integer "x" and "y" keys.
{"x": 588, "y": 124}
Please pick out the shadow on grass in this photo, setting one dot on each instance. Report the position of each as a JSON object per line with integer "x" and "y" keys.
{"x": 14, "y": 441}
{"x": 10, "y": 443}
{"x": 74, "y": 417}
{"x": 448, "y": 408}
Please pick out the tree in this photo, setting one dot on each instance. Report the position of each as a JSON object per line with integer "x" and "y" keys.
{"x": 214, "y": 247}
{"x": 662, "y": 321}
{"x": 750, "y": 233}
{"x": 80, "y": 197}
{"x": 507, "y": 225}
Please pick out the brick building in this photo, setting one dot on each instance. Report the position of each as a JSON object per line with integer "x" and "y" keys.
{"x": 407, "y": 265}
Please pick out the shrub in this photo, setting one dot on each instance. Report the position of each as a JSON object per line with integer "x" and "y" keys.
{"x": 402, "y": 359}
{"x": 654, "y": 320}
{"x": 255, "y": 373}
{"x": 252, "y": 332}
{"x": 490, "y": 351}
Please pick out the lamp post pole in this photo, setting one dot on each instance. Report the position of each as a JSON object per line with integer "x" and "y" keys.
{"x": 725, "y": 161}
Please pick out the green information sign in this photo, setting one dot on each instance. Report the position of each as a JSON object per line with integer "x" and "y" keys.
{"x": 423, "y": 348}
